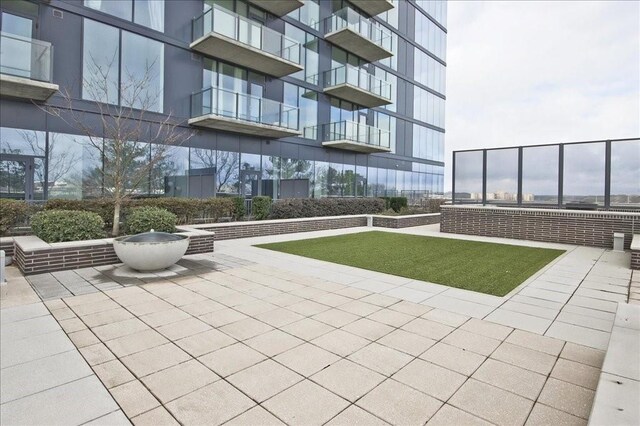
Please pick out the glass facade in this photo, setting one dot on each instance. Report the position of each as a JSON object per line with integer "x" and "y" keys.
{"x": 149, "y": 13}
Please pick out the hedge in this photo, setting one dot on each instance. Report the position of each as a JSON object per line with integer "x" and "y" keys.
{"x": 395, "y": 203}
{"x": 144, "y": 219}
{"x": 11, "y": 213}
{"x": 55, "y": 226}
{"x": 260, "y": 207}
{"x": 314, "y": 207}
{"x": 238, "y": 208}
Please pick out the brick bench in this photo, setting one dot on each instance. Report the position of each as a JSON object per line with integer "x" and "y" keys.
{"x": 635, "y": 252}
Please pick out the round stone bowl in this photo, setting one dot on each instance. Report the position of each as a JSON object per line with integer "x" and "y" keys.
{"x": 151, "y": 251}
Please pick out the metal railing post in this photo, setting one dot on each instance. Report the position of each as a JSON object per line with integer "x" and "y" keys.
{"x": 484, "y": 177}
{"x": 607, "y": 175}
{"x": 560, "y": 174}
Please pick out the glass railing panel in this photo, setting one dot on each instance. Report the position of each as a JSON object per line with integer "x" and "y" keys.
{"x": 354, "y": 132}
{"x": 358, "y": 77}
{"x": 242, "y": 106}
{"x": 25, "y": 57}
{"x": 245, "y": 31}
{"x": 349, "y": 18}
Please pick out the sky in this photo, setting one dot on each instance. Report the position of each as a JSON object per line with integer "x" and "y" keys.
{"x": 531, "y": 72}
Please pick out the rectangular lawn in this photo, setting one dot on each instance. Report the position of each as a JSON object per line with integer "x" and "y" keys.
{"x": 485, "y": 267}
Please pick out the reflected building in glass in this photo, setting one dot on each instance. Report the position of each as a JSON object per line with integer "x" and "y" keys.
{"x": 287, "y": 98}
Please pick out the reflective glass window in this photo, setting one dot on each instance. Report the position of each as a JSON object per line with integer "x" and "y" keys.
{"x": 468, "y": 176}
{"x": 502, "y": 175}
{"x": 540, "y": 174}
{"x": 625, "y": 173}
{"x": 583, "y": 178}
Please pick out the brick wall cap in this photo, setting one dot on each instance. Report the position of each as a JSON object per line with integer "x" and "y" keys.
{"x": 635, "y": 242}
{"x": 6, "y": 240}
{"x": 83, "y": 243}
{"x": 532, "y": 210}
{"x": 407, "y": 216}
{"x": 273, "y": 221}
{"x": 30, "y": 243}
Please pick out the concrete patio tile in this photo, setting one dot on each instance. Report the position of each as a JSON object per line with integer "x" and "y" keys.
{"x": 525, "y": 358}
{"x": 380, "y": 300}
{"x": 368, "y": 329}
{"x": 546, "y": 285}
{"x": 513, "y": 379}
{"x": 445, "y": 317}
{"x": 231, "y": 359}
{"x": 16, "y": 330}
{"x": 157, "y": 417}
{"x": 245, "y": 328}
{"x": 202, "y": 307}
{"x": 279, "y": 317}
{"x": 537, "y": 293}
{"x": 95, "y": 307}
{"x": 449, "y": 415}
{"x": 85, "y": 299}
{"x": 70, "y": 325}
{"x": 203, "y": 343}
{"x": 459, "y": 306}
{"x": 308, "y": 292}
{"x": 154, "y": 359}
{"x": 581, "y": 335}
{"x": 335, "y": 317}
{"x": 222, "y": 317}
{"x": 332, "y": 299}
{"x": 588, "y": 312}
{"x": 255, "y": 307}
{"x": 391, "y": 317}
{"x": 273, "y": 342}
{"x": 136, "y": 342}
{"x": 134, "y": 398}
{"x": 374, "y": 286}
{"x": 63, "y": 313}
{"x": 83, "y": 338}
{"x": 492, "y": 404}
{"x": 472, "y": 342}
{"x": 264, "y": 380}
{"x": 113, "y": 373}
{"x": 519, "y": 320}
{"x": 360, "y": 308}
{"x": 409, "y": 294}
{"x": 576, "y": 373}
{"x": 307, "y": 359}
{"x": 583, "y": 354}
{"x": 542, "y": 415}
{"x": 410, "y": 308}
{"x": 52, "y": 305}
{"x": 179, "y": 380}
{"x": 528, "y": 309}
{"x": 347, "y": 379}
{"x": 601, "y": 295}
{"x": 340, "y": 342}
{"x": 283, "y": 299}
{"x": 536, "y": 342}
{"x": 431, "y": 379}
{"x": 96, "y": 354}
{"x": 35, "y": 376}
{"x": 453, "y": 358}
{"x": 31, "y": 348}
{"x": 307, "y": 329}
{"x": 410, "y": 343}
{"x": 308, "y": 308}
{"x": 76, "y": 402}
{"x": 119, "y": 329}
{"x": 431, "y": 329}
{"x": 589, "y": 302}
{"x": 380, "y": 358}
{"x": 353, "y": 293}
{"x": 399, "y": 404}
{"x": 184, "y": 328}
{"x": 622, "y": 353}
{"x": 255, "y": 416}
{"x": 24, "y": 312}
{"x": 526, "y": 300}
{"x": 306, "y": 403}
{"x": 616, "y": 401}
{"x": 161, "y": 318}
{"x": 151, "y": 307}
{"x": 115, "y": 418}
{"x": 474, "y": 296}
{"x": 567, "y": 397}
{"x": 356, "y": 416}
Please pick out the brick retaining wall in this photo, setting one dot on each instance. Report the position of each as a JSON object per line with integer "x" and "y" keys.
{"x": 6, "y": 244}
{"x": 406, "y": 221}
{"x": 590, "y": 228}
{"x": 635, "y": 252}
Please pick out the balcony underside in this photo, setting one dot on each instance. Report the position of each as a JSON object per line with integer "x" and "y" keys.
{"x": 228, "y": 124}
{"x": 278, "y": 7}
{"x": 356, "y": 95}
{"x": 353, "y": 42}
{"x": 373, "y": 7}
{"x": 355, "y": 146}
{"x": 227, "y": 49}
{"x": 20, "y": 87}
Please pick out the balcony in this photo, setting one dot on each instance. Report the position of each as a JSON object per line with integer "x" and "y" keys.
{"x": 354, "y": 33}
{"x": 373, "y": 7}
{"x": 222, "y": 34}
{"x": 352, "y": 136}
{"x": 230, "y": 111}
{"x": 26, "y": 68}
{"x": 357, "y": 85}
{"x": 278, "y": 7}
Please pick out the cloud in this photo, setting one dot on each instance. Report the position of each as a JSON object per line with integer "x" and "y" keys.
{"x": 522, "y": 73}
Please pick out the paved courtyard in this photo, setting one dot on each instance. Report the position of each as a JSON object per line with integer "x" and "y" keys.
{"x": 250, "y": 336}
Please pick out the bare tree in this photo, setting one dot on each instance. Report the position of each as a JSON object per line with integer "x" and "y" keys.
{"x": 124, "y": 134}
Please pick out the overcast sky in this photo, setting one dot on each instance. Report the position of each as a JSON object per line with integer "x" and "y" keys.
{"x": 522, "y": 73}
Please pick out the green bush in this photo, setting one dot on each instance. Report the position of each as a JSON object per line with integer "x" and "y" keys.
{"x": 11, "y": 213}
{"x": 103, "y": 207}
{"x": 144, "y": 219}
{"x": 260, "y": 207}
{"x": 433, "y": 205}
{"x": 315, "y": 207}
{"x": 395, "y": 203}
{"x": 54, "y": 226}
{"x": 238, "y": 208}
{"x": 185, "y": 209}
{"x": 215, "y": 208}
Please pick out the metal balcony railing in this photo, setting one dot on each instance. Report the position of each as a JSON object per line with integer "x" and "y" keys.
{"x": 347, "y": 18}
{"x": 247, "y": 32}
{"x": 26, "y": 57}
{"x": 243, "y": 107}
{"x": 358, "y": 77}
{"x": 356, "y": 132}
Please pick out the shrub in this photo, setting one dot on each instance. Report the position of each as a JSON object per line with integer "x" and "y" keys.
{"x": 238, "y": 208}
{"x": 11, "y": 212}
{"x": 395, "y": 203}
{"x": 185, "y": 209}
{"x": 433, "y": 205}
{"x": 144, "y": 219}
{"x": 101, "y": 206}
{"x": 54, "y": 226}
{"x": 315, "y": 207}
{"x": 215, "y": 208}
{"x": 260, "y": 207}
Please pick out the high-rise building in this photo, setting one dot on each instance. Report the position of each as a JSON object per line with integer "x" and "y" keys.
{"x": 290, "y": 98}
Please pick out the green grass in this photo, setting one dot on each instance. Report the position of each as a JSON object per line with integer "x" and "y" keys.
{"x": 484, "y": 267}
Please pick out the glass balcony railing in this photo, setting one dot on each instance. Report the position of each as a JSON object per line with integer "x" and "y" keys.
{"x": 357, "y": 133}
{"x": 26, "y": 57}
{"x": 247, "y": 32}
{"x": 243, "y": 107}
{"x": 358, "y": 77}
{"x": 347, "y": 18}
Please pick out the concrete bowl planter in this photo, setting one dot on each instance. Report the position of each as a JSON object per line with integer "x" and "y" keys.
{"x": 150, "y": 251}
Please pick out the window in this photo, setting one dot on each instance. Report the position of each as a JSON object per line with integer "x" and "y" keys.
{"x": 430, "y": 36}
{"x": 388, "y": 123}
{"x": 149, "y": 13}
{"x": 309, "y": 58}
{"x": 391, "y": 16}
{"x": 308, "y": 14}
{"x": 428, "y": 107}
{"x": 136, "y": 81}
{"x": 428, "y": 71}
{"x": 428, "y": 144}
{"x": 436, "y": 8}
{"x": 307, "y": 101}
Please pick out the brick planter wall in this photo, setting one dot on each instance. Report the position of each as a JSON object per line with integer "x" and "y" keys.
{"x": 406, "y": 221}
{"x": 635, "y": 252}
{"x": 590, "y": 228}
{"x": 6, "y": 244}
